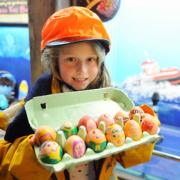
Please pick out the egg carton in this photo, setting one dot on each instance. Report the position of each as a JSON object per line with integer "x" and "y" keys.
{"x": 68, "y": 161}
{"x": 56, "y": 109}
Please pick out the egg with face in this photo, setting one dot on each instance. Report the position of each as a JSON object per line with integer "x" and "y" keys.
{"x": 115, "y": 135}
{"x": 42, "y": 134}
{"x": 121, "y": 118}
{"x": 50, "y": 152}
{"x": 75, "y": 146}
{"x": 96, "y": 140}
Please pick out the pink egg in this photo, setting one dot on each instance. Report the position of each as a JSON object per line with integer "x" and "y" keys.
{"x": 105, "y": 118}
{"x": 88, "y": 122}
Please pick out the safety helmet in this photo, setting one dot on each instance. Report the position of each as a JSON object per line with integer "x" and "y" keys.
{"x": 74, "y": 24}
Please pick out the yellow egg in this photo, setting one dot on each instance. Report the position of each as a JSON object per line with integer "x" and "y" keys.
{"x": 115, "y": 135}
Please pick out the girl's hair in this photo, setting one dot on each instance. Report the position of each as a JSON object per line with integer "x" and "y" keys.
{"x": 49, "y": 61}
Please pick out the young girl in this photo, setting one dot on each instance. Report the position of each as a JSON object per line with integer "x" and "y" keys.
{"x": 74, "y": 44}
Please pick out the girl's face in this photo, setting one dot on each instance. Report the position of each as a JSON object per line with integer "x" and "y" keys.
{"x": 78, "y": 64}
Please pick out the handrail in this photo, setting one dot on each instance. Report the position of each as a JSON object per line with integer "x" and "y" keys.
{"x": 166, "y": 155}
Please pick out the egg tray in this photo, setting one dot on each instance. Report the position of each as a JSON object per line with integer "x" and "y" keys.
{"x": 69, "y": 162}
{"x": 56, "y": 109}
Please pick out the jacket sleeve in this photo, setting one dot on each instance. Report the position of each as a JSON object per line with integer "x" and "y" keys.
{"x": 20, "y": 126}
{"x": 17, "y": 156}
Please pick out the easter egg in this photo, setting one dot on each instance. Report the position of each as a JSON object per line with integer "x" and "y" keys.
{"x": 50, "y": 152}
{"x": 136, "y": 110}
{"x": 121, "y": 118}
{"x": 105, "y": 118}
{"x": 44, "y": 133}
{"x": 69, "y": 129}
{"x": 88, "y": 122}
{"x": 115, "y": 135}
{"x": 149, "y": 124}
{"x": 96, "y": 140}
{"x": 75, "y": 146}
{"x": 133, "y": 130}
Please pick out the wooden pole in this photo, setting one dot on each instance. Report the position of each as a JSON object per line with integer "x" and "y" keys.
{"x": 39, "y": 11}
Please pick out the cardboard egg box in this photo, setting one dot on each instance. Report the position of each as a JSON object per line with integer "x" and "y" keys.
{"x": 56, "y": 109}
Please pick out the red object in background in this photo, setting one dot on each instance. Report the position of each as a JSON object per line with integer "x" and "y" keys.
{"x": 105, "y": 9}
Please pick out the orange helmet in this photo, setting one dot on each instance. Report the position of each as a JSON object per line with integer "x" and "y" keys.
{"x": 74, "y": 24}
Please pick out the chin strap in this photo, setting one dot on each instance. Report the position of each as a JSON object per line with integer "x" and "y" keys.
{"x": 55, "y": 86}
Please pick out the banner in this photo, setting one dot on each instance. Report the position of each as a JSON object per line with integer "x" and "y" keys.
{"x": 13, "y": 11}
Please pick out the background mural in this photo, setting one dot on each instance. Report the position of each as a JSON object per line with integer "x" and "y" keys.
{"x": 14, "y": 53}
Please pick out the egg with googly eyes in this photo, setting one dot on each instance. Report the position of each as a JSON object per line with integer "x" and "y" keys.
{"x": 96, "y": 140}
{"x": 115, "y": 135}
{"x": 50, "y": 152}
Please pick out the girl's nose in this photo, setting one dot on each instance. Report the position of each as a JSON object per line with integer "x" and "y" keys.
{"x": 81, "y": 66}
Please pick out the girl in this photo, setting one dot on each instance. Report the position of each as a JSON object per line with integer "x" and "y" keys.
{"x": 74, "y": 44}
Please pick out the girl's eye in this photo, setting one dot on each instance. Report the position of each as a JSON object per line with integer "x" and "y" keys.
{"x": 92, "y": 59}
{"x": 71, "y": 59}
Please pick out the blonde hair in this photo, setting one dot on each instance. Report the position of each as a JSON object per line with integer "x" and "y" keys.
{"x": 49, "y": 61}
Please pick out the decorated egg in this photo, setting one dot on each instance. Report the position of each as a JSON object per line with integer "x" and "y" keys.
{"x": 121, "y": 118}
{"x": 75, "y": 146}
{"x": 96, "y": 140}
{"x": 68, "y": 129}
{"x": 50, "y": 152}
{"x": 42, "y": 134}
{"x": 88, "y": 122}
{"x": 136, "y": 110}
{"x": 105, "y": 118}
{"x": 115, "y": 135}
{"x": 149, "y": 124}
{"x": 133, "y": 130}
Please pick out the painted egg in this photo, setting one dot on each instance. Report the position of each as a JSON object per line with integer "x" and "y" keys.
{"x": 133, "y": 130}
{"x": 75, "y": 146}
{"x": 121, "y": 118}
{"x": 50, "y": 152}
{"x": 136, "y": 110}
{"x": 88, "y": 122}
{"x": 44, "y": 133}
{"x": 69, "y": 129}
{"x": 149, "y": 124}
{"x": 96, "y": 140}
{"x": 105, "y": 118}
{"x": 115, "y": 135}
